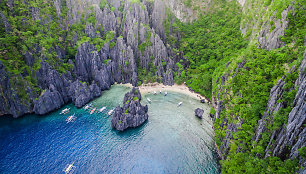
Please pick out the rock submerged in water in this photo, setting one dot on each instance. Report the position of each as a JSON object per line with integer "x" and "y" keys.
{"x": 199, "y": 112}
{"x": 132, "y": 113}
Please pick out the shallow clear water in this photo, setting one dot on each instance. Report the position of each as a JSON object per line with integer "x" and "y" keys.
{"x": 173, "y": 140}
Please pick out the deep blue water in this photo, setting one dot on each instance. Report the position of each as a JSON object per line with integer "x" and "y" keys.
{"x": 173, "y": 140}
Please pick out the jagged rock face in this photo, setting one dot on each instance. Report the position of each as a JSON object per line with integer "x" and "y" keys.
{"x": 82, "y": 94}
{"x": 271, "y": 40}
{"x": 219, "y": 105}
{"x": 132, "y": 114}
{"x": 124, "y": 60}
{"x": 109, "y": 21}
{"x": 47, "y": 77}
{"x": 158, "y": 16}
{"x": 99, "y": 69}
{"x": 272, "y": 107}
{"x": 48, "y": 101}
{"x": 90, "y": 66}
{"x": 199, "y": 112}
{"x": 6, "y": 24}
{"x": 297, "y": 116}
{"x": 293, "y": 133}
{"x": 10, "y": 99}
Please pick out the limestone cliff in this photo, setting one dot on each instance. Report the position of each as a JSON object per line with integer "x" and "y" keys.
{"x": 132, "y": 41}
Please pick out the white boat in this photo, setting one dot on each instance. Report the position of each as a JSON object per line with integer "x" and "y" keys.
{"x": 166, "y": 93}
{"x": 160, "y": 91}
{"x": 102, "y": 109}
{"x": 179, "y": 104}
{"x": 110, "y": 112}
{"x": 71, "y": 118}
{"x": 87, "y": 106}
{"x": 149, "y": 100}
{"x": 65, "y": 111}
{"x": 154, "y": 92}
{"x": 93, "y": 110}
{"x": 69, "y": 168}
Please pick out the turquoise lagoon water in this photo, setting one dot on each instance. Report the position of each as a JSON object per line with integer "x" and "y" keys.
{"x": 173, "y": 140}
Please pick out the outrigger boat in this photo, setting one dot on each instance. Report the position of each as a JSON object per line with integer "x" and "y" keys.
{"x": 110, "y": 112}
{"x": 69, "y": 168}
{"x": 102, "y": 109}
{"x": 65, "y": 111}
{"x": 71, "y": 118}
{"x": 179, "y": 104}
{"x": 87, "y": 106}
{"x": 149, "y": 100}
{"x": 93, "y": 110}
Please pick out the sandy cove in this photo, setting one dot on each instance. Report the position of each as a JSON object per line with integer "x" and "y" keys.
{"x": 151, "y": 87}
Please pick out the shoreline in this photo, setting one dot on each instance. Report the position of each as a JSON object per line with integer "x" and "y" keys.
{"x": 151, "y": 87}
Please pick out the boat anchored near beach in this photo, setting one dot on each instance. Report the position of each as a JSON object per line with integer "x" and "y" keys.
{"x": 110, "y": 112}
{"x": 179, "y": 104}
{"x": 149, "y": 100}
{"x": 102, "y": 109}
{"x": 69, "y": 168}
{"x": 71, "y": 118}
{"x": 166, "y": 93}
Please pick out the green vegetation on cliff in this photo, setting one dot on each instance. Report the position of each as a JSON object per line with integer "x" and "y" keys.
{"x": 210, "y": 42}
{"x": 226, "y": 66}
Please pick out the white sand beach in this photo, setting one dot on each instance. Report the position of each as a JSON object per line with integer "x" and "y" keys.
{"x": 151, "y": 87}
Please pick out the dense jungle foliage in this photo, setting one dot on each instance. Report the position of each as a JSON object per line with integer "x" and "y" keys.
{"x": 215, "y": 48}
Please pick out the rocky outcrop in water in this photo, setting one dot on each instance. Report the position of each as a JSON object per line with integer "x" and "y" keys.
{"x": 199, "y": 112}
{"x": 132, "y": 114}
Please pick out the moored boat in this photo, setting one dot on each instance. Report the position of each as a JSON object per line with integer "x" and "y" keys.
{"x": 93, "y": 110}
{"x": 65, "y": 111}
{"x": 110, "y": 112}
{"x": 149, "y": 100}
{"x": 69, "y": 168}
{"x": 71, "y": 118}
{"x": 102, "y": 109}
